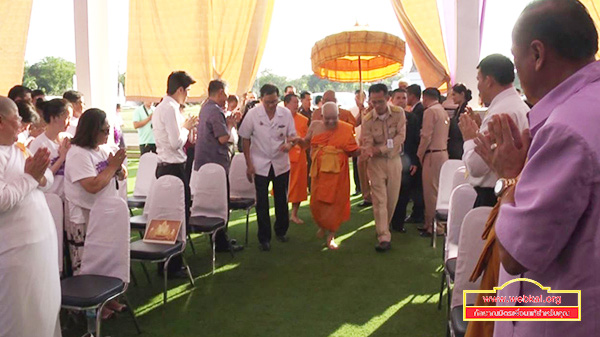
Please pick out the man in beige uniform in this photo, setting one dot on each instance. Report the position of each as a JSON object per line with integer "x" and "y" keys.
{"x": 383, "y": 132}
{"x": 432, "y": 152}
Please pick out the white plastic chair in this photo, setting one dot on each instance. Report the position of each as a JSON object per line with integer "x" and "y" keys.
{"x": 242, "y": 194}
{"x": 106, "y": 248}
{"x": 57, "y": 210}
{"x": 461, "y": 202}
{"x": 209, "y": 212}
{"x": 470, "y": 246}
{"x": 443, "y": 197}
{"x": 166, "y": 202}
{"x": 146, "y": 175}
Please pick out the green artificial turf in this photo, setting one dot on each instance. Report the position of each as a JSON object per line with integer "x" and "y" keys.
{"x": 297, "y": 289}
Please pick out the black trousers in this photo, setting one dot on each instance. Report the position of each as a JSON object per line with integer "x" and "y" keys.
{"x": 485, "y": 197}
{"x": 416, "y": 195}
{"x": 405, "y": 192}
{"x": 147, "y": 148}
{"x": 177, "y": 170}
{"x": 280, "y": 189}
{"x": 355, "y": 173}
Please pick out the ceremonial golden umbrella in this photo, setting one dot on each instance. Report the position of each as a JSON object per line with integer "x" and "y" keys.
{"x": 358, "y": 55}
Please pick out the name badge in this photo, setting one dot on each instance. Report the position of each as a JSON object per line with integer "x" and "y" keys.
{"x": 390, "y": 143}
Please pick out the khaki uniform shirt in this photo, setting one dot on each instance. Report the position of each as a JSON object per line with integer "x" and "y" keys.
{"x": 434, "y": 133}
{"x": 386, "y": 132}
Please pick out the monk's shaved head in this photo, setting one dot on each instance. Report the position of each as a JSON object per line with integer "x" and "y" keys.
{"x": 330, "y": 115}
{"x": 329, "y": 96}
{"x": 7, "y": 106}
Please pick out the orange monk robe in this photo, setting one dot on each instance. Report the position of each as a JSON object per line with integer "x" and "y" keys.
{"x": 330, "y": 184}
{"x": 344, "y": 116}
{"x": 298, "y": 190}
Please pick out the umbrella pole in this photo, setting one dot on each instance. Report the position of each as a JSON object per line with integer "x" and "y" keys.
{"x": 360, "y": 76}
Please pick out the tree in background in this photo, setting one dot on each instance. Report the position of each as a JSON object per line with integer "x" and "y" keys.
{"x": 54, "y": 75}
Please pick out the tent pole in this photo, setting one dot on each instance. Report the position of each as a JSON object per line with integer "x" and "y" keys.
{"x": 360, "y": 76}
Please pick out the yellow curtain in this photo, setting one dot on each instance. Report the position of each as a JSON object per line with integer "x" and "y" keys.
{"x": 593, "y": 6}
{"x": 14, "y": 27}
{"x": 209, "y": 39}
{"x": 164, "y": 37}
{"x": 420, "y": 23}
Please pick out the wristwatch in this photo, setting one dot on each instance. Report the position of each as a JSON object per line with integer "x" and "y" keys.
{"x": 502, "y": 185}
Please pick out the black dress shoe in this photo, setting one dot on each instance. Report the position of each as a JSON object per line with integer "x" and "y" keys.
{"x": 232, "y": 247}
{"x": 421, "y": 229}
{"x": 383, "y": 246}
{"x": 399, "y": 230}
{"x": 365, "y": 204}
{"x": 265, "y": 246}
{"x": 425, "y": 234}
{"x": 282, "y": 238}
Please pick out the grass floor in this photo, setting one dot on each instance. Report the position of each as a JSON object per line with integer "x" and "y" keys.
{"x": 297, "y": 289}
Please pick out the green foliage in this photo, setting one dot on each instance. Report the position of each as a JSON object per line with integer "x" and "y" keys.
{"x": 312, "y": 83}
{"x": 54, "y": 75}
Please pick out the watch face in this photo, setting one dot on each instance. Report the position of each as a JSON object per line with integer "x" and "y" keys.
{"x": 499, "y": 187}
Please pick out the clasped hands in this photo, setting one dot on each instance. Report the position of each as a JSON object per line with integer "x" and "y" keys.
{"x": 502, "y": 147}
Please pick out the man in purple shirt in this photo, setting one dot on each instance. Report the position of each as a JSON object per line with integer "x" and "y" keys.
{"x": 213, "y": 134}
{"x": 548, "y": 225}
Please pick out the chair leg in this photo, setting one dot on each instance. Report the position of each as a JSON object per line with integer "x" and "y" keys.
{"x": 434, "y": 233}
{"x": 191, "y": 243}
{"x": 214, "y": 237}
{"x": 165, "y": 271}
{"x": 441, "y": 289}
{"x": 135, "y": 322}
{"x": 247, "y": 223}
{"x": 146, "y": 272}
{"x": 187, "y": 267}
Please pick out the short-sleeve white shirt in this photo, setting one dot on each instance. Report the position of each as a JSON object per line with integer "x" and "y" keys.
{"x": 266, "y": 138}
{"x": 84, "y": 163}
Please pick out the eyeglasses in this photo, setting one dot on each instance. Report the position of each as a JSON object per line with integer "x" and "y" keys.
{"x": 105, "y": 131}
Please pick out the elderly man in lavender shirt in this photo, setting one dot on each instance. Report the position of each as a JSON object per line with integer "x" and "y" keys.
{"x": 549, "y": 224}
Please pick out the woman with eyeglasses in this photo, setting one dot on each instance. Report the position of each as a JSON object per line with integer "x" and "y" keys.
{"x": 91, "y": 171}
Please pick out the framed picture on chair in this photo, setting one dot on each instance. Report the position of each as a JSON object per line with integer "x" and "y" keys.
{"x": 162, "y": 231}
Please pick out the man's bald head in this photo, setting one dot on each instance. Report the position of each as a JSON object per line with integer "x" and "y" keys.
{"x": 7, "y": 106}
{"x": 330, "y": 115}
{"x": 565, "y": 26}
{"x": 329, "y": 96}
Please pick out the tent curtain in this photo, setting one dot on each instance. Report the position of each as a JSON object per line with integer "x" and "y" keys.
{"x": 593, "y": 8}
{"x": 420, "y": 23}
{"x": 14, "y": 27}
{"x": 208, "y": 39}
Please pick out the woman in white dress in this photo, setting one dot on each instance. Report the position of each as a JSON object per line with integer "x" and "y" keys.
{"x": 91, "y": 172}
{"x": 29, "y": 279}
{"x": 57, "y": 114}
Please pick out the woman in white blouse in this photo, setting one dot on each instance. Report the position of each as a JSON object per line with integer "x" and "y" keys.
{"x": 57, "y": 114}
{"x": 91, "y": 172}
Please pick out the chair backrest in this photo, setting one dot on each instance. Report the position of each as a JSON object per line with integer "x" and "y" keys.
{"x": 461, "y": 202}
{"x": 239, "y": 185}
{"x": 146, "y": 174}
{"x": 209, "y": 192}
{"x": 459, "y": 177}
{"x": 106, "y": 248}
{"x": 446, "y": 181}
{"x": 57, "y": 209}
{"x": 166, "y": 201}
{"x": 470, "y": 246}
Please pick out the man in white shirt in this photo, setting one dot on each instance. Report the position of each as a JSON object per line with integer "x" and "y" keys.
{"x": 29, "y": 279}
{"x": 494, "y": 81}
{"x": 268, "y": 133}
{"x": 76, "y": 100}
{"x": 171, "y": 133}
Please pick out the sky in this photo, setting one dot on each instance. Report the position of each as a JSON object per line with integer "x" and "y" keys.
{"x": 295, "y": 27}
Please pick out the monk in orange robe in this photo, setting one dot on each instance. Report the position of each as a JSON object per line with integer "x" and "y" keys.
{"x": 344, "y": 115}
{"x": 331, "y": 142}
{"x": 298, "y": 188}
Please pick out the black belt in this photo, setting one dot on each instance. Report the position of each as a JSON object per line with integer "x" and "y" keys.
{"x": 434, "y": 151}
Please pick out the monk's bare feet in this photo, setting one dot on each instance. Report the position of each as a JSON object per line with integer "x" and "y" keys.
{"x": 114, "y": 305}
{"x": 296, "y": 220}
{"x": 106, "y": 313}
{"x": 320, "y": 233}
{"x": 331, "y": 242}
